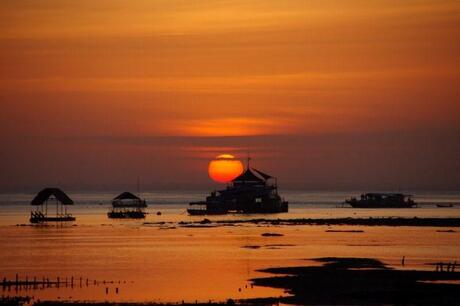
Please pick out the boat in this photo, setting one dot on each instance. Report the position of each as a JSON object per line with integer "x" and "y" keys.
{"x": 382, "y": 200}
{"x": 445, "y": 205}
{"x": 127, "y": 206}
{"x": 252, "y": 192}
{"x": 54, "y": 195}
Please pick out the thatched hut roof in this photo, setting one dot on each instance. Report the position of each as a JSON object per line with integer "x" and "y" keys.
{"x": 127, "y": 199}
{"x": 127, "y": 196}
{"x": 46, "y": 193}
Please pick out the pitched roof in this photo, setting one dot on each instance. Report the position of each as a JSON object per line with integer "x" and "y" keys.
{"x": 127, "y": 196}
{"x": 248, "y": 176}
{"x": 262, "y": 174}
{"x": 46, "y": 193}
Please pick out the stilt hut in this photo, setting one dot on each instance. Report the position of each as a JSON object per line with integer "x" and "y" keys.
{"x": 127, "y": 206}
{"x": 51, "y": 197}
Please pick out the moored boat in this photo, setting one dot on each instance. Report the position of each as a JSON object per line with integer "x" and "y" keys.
{"x": 382, "y": 200}
{"x": 444, "y": 205}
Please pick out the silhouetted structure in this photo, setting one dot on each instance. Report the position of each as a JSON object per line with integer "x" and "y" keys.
{"x": 127, "y": 206}
{"x": 448, "y": 205}
{"x": 40, "y": 203}
{"x": 248, "y": 193}
{"x": 361, "y": 281}
{"x": 382, "y": 200}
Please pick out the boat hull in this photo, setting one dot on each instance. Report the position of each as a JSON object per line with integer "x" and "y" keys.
{"x": 51, "y": 219}
{"x": 444, "y": 205}
{"x": 126, "y": 215}
{"x": 202, "y": 212}
{"x": 364, "y": 204}
{"x": 215, "y": 208}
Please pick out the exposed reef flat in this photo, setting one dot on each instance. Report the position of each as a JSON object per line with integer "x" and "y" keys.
{"x": 384, "y": 221}
{"x": 272, "y": 235}
{"x": 362, "y": 281}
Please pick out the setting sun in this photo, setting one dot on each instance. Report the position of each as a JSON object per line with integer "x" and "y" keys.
{"x": 225, "y": 168}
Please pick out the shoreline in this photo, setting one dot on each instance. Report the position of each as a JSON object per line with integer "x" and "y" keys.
{"x": 371, "y": 221}
{"x": 348, "y": 221}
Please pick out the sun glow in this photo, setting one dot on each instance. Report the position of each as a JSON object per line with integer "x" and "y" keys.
{"x": 225, "y": 168}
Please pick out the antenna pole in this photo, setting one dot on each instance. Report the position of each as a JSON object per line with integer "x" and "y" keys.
{"x": 249, "y": 158}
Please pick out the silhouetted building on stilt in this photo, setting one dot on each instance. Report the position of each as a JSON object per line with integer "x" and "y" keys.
{"x": 127, "y": 206}
{"x": 55, "y": 196}
{"x": 251, "y": 192}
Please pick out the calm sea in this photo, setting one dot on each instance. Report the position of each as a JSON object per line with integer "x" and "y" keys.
{"x": 168, "y": 262}
{"x": 92, "y": 207}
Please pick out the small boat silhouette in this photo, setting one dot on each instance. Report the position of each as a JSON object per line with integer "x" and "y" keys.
{"x": 445, "y": 205}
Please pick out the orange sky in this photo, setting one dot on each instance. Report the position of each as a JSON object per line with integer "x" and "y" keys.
{"x": 94, "y": 93}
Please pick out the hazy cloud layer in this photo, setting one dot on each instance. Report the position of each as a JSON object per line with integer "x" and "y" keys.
{"x": 325, "y": 94}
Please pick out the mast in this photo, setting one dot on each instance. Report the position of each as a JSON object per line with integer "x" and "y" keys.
{"x": 248, "y": 160}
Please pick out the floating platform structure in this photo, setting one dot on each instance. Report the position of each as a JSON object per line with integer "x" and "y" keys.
{"x": 40, "y": 203}
{"x": 382, "y": 200}
{"x": 252, "y": 192}
{"x": 445, "y": 205}
{"x": 127, "y": 206}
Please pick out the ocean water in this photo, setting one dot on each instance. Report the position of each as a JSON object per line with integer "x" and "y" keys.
{"x": 91, "y": 208}
{"x": 147, "y": 261}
